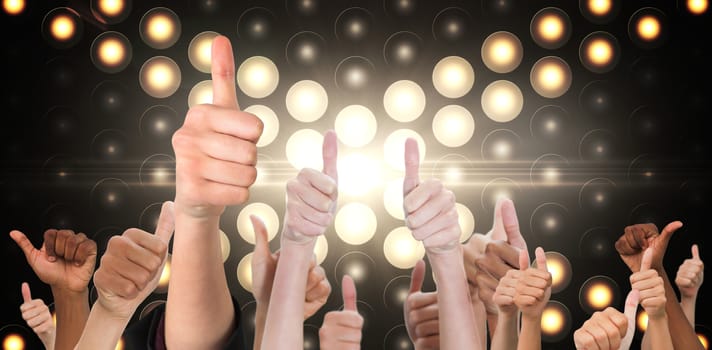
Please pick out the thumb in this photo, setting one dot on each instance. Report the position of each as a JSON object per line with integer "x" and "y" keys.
{"x": 23, "y": 243}
{"x": 166, "y": 222}
{"x": 412, "y": 165}
{"x": 523, "y": 259}
{"x": 417, "y": 277}
{"x": 695, "y": 252}
{"x": 540, "y": 259}
{"x": 498, "y": 232}
{"x": 631, "y": 307}
{"x": 26, "y": 295}
{"x": 223, "y": 74}
{"x": 511, "y": 225}
{"x": 669, "y": 230}
{"x": 348, "y": 291}
{"x": 647, "y": 260}
{"x": 329, "y": 152}
{"x": 261, "y": 236}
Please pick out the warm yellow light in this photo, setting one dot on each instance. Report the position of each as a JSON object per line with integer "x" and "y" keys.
{"x": 703, "y": 340}
{"x": 642, "y": 320}
{"x": 13, "y": 342}
{"x": 697, "y": 7}
{"x": 552, "y": 321}
{"x": 303, "y": 149}
{"x": 466, "y": 221}
{"x": 321, "y": 249}
{"x": 404, "y": 101}
{"x": 502, "y": 101}
{"x": 263, "y": 211}
{"x": 551, "y": 28}
{"x": 160, "y": 27}
{"x": 244, "y": 272}
{"x": 165, "y": 276}
{"x": 551, "y": 77}
{"x": 258, "y": 77}
{"x": 401, "y": 249}
{"x": 600, "y": 7}
{"x": 120, "y": 344}
{"x": 62, "y": 27}
{"x": 111, "y": 52}
{"x": 600, "y": 296}
{"x": 502, "y": 52}
{"x": 599, "y": 52}
{"x": 111, "y": 8}
{"x": 201, "y": 93}
{"x": 648, "y": 28}
{"x": 355, "y": 223}
{"x": 453, "y": 77}
{"x": 394, "y": 148}
{"x": 453, "y": 126}
{"x": 13, "y": 7}
{"x": 269, "y": 120}
{"x": 355, "y": 125}
{"x": 160, "y": 77}
{"x": 393, "y": 199}
{"x": 358, "y": 174}
{"x": 200, "y": 51}
{"x": 224, "y": 246}
{"x": 307, "y": 101}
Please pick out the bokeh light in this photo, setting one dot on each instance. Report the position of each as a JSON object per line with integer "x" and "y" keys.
{"x": 599, "y": 52}
{"x": 466, "y": 220}
{"x": 499, "y": 188}
{"x": 354, "y": 24}
{"x": 321, "y": 249}
{"x": 358, "y": 265}
{"x": 160, "y": 28}
{"x": 548, "y": 170}
{"x": 404, "y": 101}
{"x": 393, "y": 199}
{"x": 599, "y": 99}
{"x": 598, "y": 243}
{"x": 502, "y": 101}
{"x": 14, "y": 7}
{"x": 263, "y": 211}
{"x": 305, "y": 49}
{"x": 597, "y": 195}
{"x": 560, "y": 269}
{"x": 109, "y": 194}
{"x": 159, "y": 122}
{"x": 354, "y": 74}
{"x": 111, "y": 98}
{"x": 453, "y": 126}
{"x": 355, "y": 223}
{"x": 258, "y": 77}
{"x": 394, "y": 148}
{"x": 224, "y": 246}
{"x": 550, "y": 123}
{"x": 502, "y": 52}
{"x": 62, "y": 27}
{"x": 201, "y": 93}
{"x": 648, "y": 28}
{"x": 551, "y": 77}
{"x": 402, "y": 49}
{"x": 165, "y": 278}
{"x": 555, "y": 322}
{"x": 111, "y": 52}
{"x": 550, "y": 220}
{"x": 111, "y": 11}
{"x": 355, "y": 125}
{"x": 396, "y": 292}
{"x": 307, "y": 101}
{"x": 160, "y": 77}
{"x": 453, "y": 77}
{"x": 550, "y": 28}
{"x": 109, "y": 144}
{"x": 158, "y": 170}
{"x": 200, "y": 51}
{"x": 358, "y": 174}
{"x": 303, "y": 149}
{"x": 256, "y": 24}
{"x": 600, "y": 11}
{"x": 244, "y": 272}
{"x": 697, "y": 7}
{"x": 642, "y": 320}
{"x": 397, "y": 339}
{"x": 303, "y": 8}
{"x": 598, "y": 145}
{"x": 598, "y": 293}
{"x": 452, "y": 24}
{"x": 269, "y": 120}
{"x": 501, "y": 145}
{"x": 401, "y": 249}
{"x": 13, "y": 341}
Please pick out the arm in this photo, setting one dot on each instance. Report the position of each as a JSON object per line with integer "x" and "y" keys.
{"x": 506, "y": 334}
{"x": 421, "y": 313}
{"x": 652, "y": 297}
{"x": 689, "y": 280}
{"x": 215, "y": 165}
{"x": 532, "y": 294}
{"x": 341, "y": 330}
{"x": 37, "y": 316}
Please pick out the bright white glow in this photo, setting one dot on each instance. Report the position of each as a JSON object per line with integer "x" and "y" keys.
{"x": 321, "y": 249}
{"x": 224, "y": 246}
{"x": 394, "y": 148}
{"x": 453, "y": 77}
{"x": 270, "y": 121}
{"x": 401, "y": 249}
{"x": 258, "y": 77}
{"x": 304, "y": 149}
{"x": 551, "y": 77}
{"x": 160, "y": 77}
{"x": 404, "y": 101}
{"x": 200, "y": 51}
{"x": 502, "y": 52}
{"x": 466, "y": 221}
{"x": 201, "y": 93}
{"x": 307, "y": 101}
{"x": 502, "y": 101}
{"x": 355, "y": 126}
{"x": 244, "y": 272}
{"x": 358, "y": 174}
{"x": 393, "y": 199}
{"x": 453, "y": 126}
{"x": 355, "y": 223}
{"x": 264, "y": 212}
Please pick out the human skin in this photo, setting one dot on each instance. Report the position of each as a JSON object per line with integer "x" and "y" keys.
{"x": 342, "y": 330}
{"x": 533, "y": 291}
{"x": 421, "y": 313}
{"x": 37, "y": 316}
{"x": 609, "y": 329}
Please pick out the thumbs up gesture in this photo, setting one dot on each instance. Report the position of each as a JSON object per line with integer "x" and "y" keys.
{"x": 609, "y": 329}
{"x": 216, "y": 148}
{"x": 506, "y": 290}
{"x": 650, "y": 286}
{"x": 341, "y": 330}
{"x": 132, "y": 265}
{"x": 637, "y": 238}
{"x": 421, "y": 312}
{"x": 430, "y": 211}
{"x": 690, "y": 275}
{"x": 38, "y": 317}
{"x": 311, "y": 197}
{"x": 534, "y": 288}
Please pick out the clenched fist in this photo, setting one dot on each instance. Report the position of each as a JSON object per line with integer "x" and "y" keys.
{"x": 609, "y": 329}
{"x": 637, "y": 238}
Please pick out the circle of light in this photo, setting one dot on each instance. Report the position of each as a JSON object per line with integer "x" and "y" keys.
{"x": 394, "y": 148}
{"x": 453, "y": 77}
{"x": 258, "y": 77}
{"x": 303, "y": 149}
{"x": 404, "y": 101}
{"x": 502, "y": 101}
{"x": 201, "y": 93}
{"x": 355, "y": 223}
{"x": 262, "y": 211}
{"x": 550, "y": 77}
{"x": 160, "y": 77}
{"x": 502, "y": 52}
{"x": 356, "y": 126}
{"x": 453, "y": 126}
{"x": 200, "y": 51}
{"x": 401, "y": 249}
{"x": 307, "y": 101}
{"x": 358, "y": 174}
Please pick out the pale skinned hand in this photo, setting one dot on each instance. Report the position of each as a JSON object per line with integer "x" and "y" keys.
{"x": 341, "y": 330}
{"x": 216, "y": 148}
{"x": 65, "y": 261}
{"x": 421, "y": 312}
{"x": 311, "y": 197}
{"x": 264, "y": 265}
{"x": 609, "y": 329}
{"x": 651, "y": 287}
{"x": 36, "y": 314}
{"x": 507, "y": 288}
{"x": 637, "y": 238}
{"x": 533, "y": 288}
{"x": 690, "y": 274}
{"x": 132, "y": 265}
{"x": 430, "y": 211}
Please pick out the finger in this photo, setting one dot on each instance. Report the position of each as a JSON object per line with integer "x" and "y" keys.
{"x": 523, "y": 259}
{"x": 511, "y": 225}
{"x": 223, "y": 74}
{"x": 85, "y": 251}
{"x": 24, "y": 243}
{"x": 261, "y": 235}
{"x": 417, "y": 277}
{"x": 540, "y": 259}
{"x": 50, "y": 236}
{"x": 631, "y": 307}
{"x": 60, "y": 244}
{"x": 166, "y": 222}
{"x": 669, "y": 230}
{"x": 412, "y": 165}
{"x": 695, "y": 252}
{"x": 329, "y": 153}
{"x": 26, "y": 295}
{"x": 348, "y": 291}
{"x": 498, "y": 231}
{"x": 647, "y": 260}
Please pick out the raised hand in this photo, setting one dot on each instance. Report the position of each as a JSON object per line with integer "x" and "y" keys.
{"x": 421, "y": 312}
{"x": 690, "y": 275}
{"x": 507, "y": 288}
{"x": 311, "y": 197}
{"x": 342, "y": 329}
{"x": 430, "y": 211}
{"x": 216, "y": 149}
{"x": 132, "y": 265}
{"x": 38, "y": 317}
{"x": 534, "y": 288}
{"x": 651, "y": 287}
{"x": 609, "y": 329}
{"x": 637, "y": 238}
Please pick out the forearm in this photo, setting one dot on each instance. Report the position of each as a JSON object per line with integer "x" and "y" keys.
{"x": 285, "y": 316}
{"x": 103, "y": 330}
{"x": 199, "y": 310}
{"x": 72, "y": 310}
{"x": 685, "y": 336}
{"x": 688, "y": 307}
{"x": 260, "y": 320}
{"x": 480, "y": 315}
{"x": 47, "y": 340}
{"x": 645, "y": 343}
{"x": 659, "y": 333}
{"x": 506, "y": 335}
{"x": 530, "y": 336}
{"x": 492, "y": 324}
{"x": 456, "y": 314}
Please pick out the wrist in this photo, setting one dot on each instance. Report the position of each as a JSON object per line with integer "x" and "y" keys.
{"x": 65, "y": 293}
{"x": 206, "y": 212}
{"x": 533, "y": 319}
{"x": 688, "y": 299}
{"x": 112, "y": 315}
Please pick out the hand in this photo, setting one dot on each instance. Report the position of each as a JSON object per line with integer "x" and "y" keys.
{"x": 430, "y": 211}
{"x": 690, "y": 275}
{"x": 264, "y": 266}
{"x": 342, "y": 329}
{"x": 132, "y": 265}
{"x": 609, "y": 329}
{"x": 216, "y": 148}
{"x": 421, "y": 312}
{"x": 534, "y": 288}
{"x": 36, "y": 314}
{"x": 65, "y": 261}
{"x": 311, "y": 198}
{"x": 651, "y": 287}
{"x": 507, "y": 288}
{"x": 499, "y": 258}
{"x": 639, "y": 237}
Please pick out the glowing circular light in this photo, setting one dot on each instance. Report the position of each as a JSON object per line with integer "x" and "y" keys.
{"x": 402, "y": 49}
{"x": 466, "y": 221}
{"x": 453, "y": 77}
{"x": 165, "y": 278}
{"x": 303, "y": 149}
{"x": 502, "y": 52}
{"x": 224, "y": 246}
{"x": 501, "y": 145}
{"x": 396, "y": 292}
{"x": 354, "y": 24}
{"x": 355, "y": 223}
{"x": 62, "y": 27}
{"x": 111, "y": 8}
{"x": 244, "y": 272}
{"x": 703, "y": 340}
{"x": 599, "y": 52}
{"x": 642, "y": 320}
{"x": 394, "y": 148}
{"x": 160, "y": 77}
{"x": 499, "y": 188}
{"x": 358, "y": 174}
{"x": 258, "y": 77}
{"x": 453, "y": 126}
{"x": 355, "y": 126}
{"x": 111, "y": 52}
{"x": 451, "y": 24}
{"x": 647, "y": 27}
{"x": 598, "y": 293}
{"x": 305, "y": 49}
{"x": 560, "y": 269}
{"x": 401, "y": 249}
{"x": 263, "y": 211}
{"x": 256, "y": 24}
{"x": 502, "y": 101}
{"x": 200, "y": 51}
{"x": 13, "y": 342}
{"x": 555, "y": 322}
{"x": 551, "y": 77}
{"x": 549, "y": 220}
{"x": 307, "y": 101}
{"x": 269, "y": 120}
{"x": 599, "y": 7}
{"x": 600, "y": 11}
{"x": 13, "y": 7}
{"x": 598, "y": 145}
{"x": 547, "y": 170}
{"x": 697, "y": 7}
{"x": 160, "y": 28}
{"x": 157, "y": 170}
{"x": 550, "y": 28}
{"x": 354, "y": 74}
{"x": 201, "y": 93}
{"x": 321, "y": 249}
{"x": 393, "y": 199}
{"x": 404, "y": 101}
{"x": 596, "y": 195}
